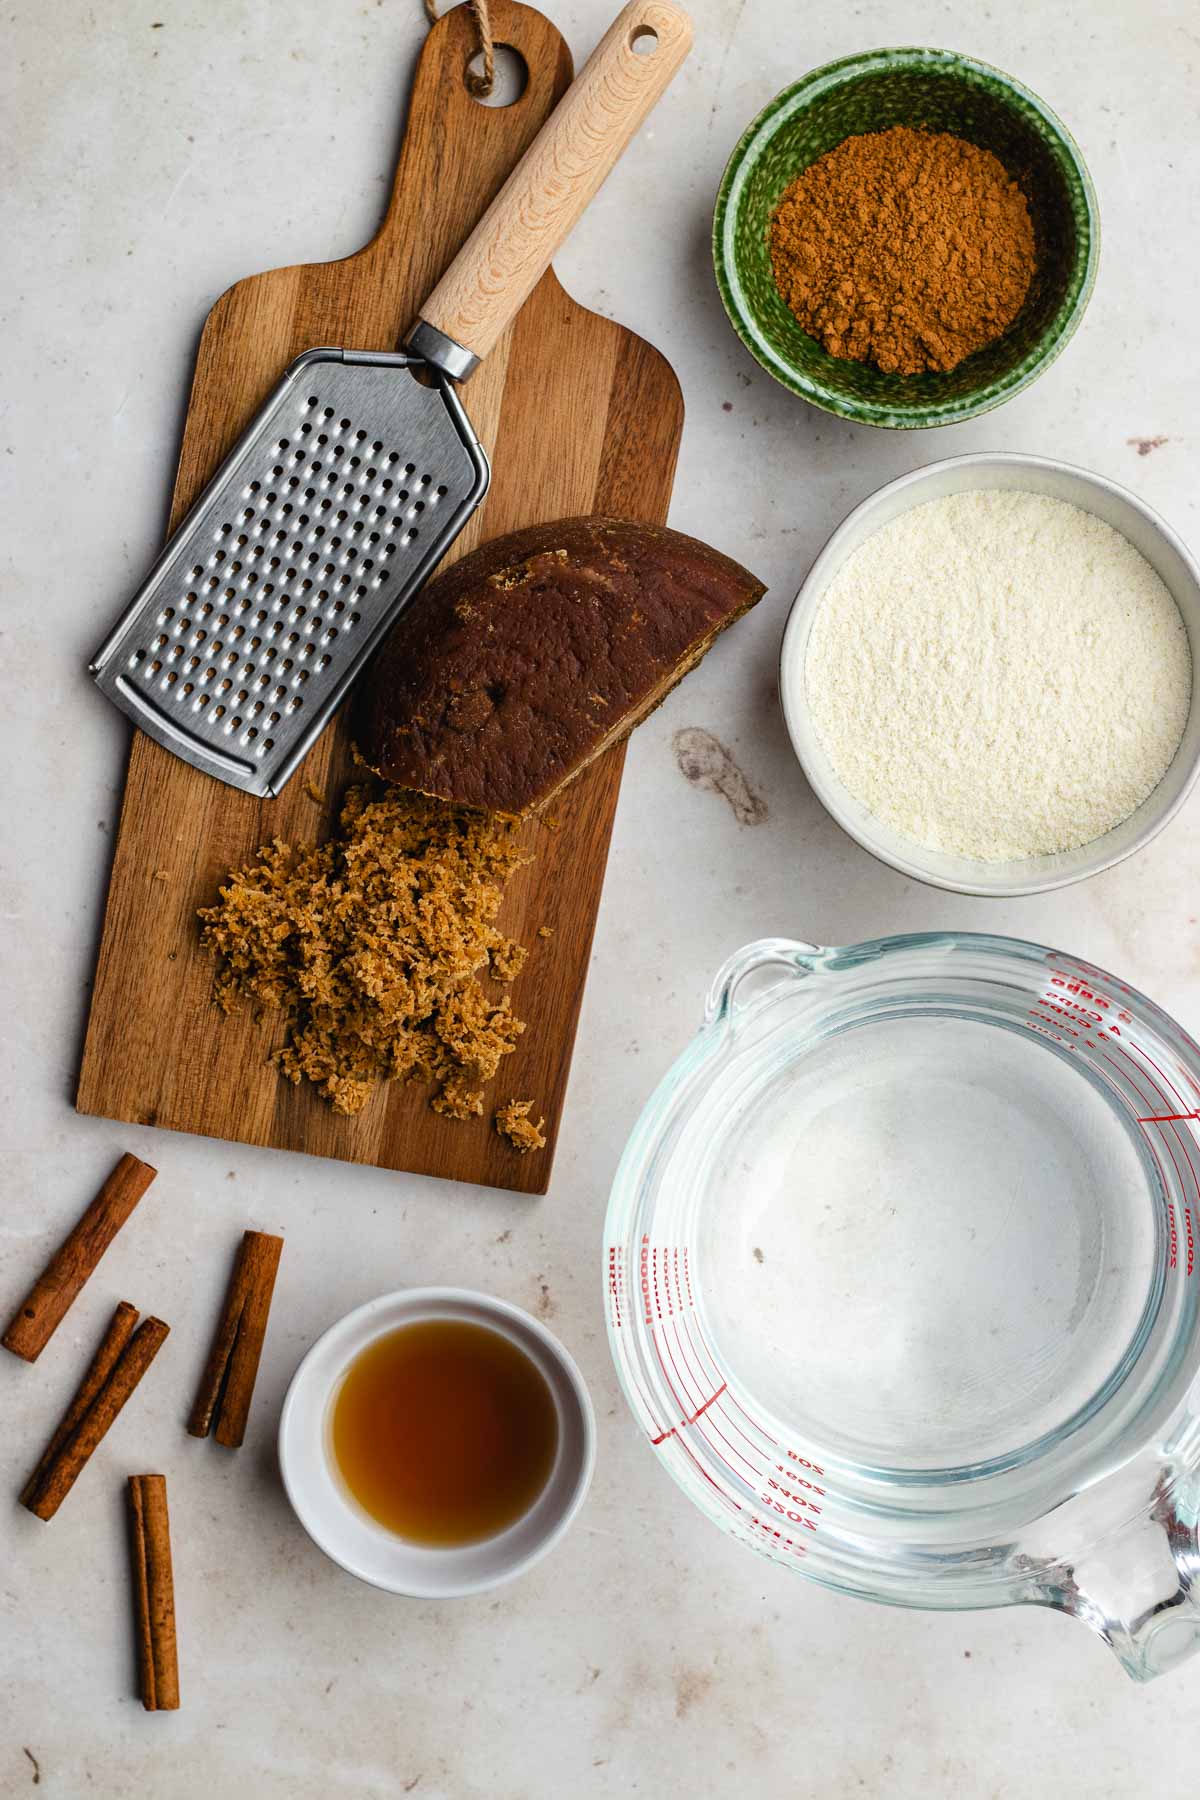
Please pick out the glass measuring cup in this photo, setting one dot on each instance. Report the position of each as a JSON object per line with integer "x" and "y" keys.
{"x": 901, "y": 1281}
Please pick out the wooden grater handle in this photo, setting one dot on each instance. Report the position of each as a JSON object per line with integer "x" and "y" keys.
{"x": 510, "y": 249}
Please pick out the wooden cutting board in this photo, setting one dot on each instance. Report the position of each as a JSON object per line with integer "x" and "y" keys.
{"x": 578, "y": 415}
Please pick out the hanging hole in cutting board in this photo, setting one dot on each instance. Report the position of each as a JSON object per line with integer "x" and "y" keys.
{"x": 644, "y": 41}
{"x": 511, "y": 78}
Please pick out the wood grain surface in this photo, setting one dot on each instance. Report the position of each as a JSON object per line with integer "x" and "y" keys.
{"x": 578, "y": 415}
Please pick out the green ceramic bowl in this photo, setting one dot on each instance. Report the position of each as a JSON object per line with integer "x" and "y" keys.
{"x": 945, "y": 92}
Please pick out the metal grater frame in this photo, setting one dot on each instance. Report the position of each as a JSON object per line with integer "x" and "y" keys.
{"x": 316, "y": 531}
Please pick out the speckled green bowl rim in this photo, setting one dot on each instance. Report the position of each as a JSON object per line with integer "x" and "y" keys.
{"x": 878, "y": 62}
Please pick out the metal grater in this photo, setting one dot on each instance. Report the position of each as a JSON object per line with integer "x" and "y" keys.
{"x": 279, "y": 583}
{"x": 356, "y": 477}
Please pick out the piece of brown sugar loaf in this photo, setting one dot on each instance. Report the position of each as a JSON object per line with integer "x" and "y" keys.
{"x": 526, "y": 660}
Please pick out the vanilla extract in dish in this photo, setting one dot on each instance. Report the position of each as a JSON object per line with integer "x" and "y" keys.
{"x": 444, "y": 1431}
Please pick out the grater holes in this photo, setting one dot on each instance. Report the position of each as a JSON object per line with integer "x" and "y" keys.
{"x": 354, "y": 619}
{"x": 218, "y": 712}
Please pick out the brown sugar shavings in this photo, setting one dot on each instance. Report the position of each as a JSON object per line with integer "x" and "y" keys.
{"x": 514, "y": 1123}
{"x": 314, "y": 793}
{"x": 1144, "y": 445}
{"x": 545, "y": 931}
{"x": 706, "y": 763}
{"x": 506, "y": 960}
{"x": 371, "y": 945}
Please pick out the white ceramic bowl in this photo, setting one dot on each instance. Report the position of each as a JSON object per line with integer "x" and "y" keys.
{"x": 345, "y": 1532}
{"x": 1162, "y": 549}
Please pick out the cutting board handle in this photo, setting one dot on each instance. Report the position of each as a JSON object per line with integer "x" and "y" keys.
{"x": 510, "y": 249}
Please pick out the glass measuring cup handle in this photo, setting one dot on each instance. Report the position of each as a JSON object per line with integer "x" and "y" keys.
{"x": 755, "y": 971}
{"x": 1139, "y": 1588}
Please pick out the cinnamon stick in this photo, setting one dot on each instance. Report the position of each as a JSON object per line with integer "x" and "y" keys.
{"x": 72, "y": 1444}
{"x": 154, "y": 1593}
{"x": 119, "y": 1332}
{"x": 227, "y": 1384}
{"x": 45, "y": 1305}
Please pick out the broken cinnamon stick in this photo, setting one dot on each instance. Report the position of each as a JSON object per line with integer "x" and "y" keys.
{"x": 154, "y": 1593}
{"x": 45, "y": 1305}
{"x": 119, "y": 1332}
{"x": 94, "y": 1409}
{"x": 227, "y": 1384}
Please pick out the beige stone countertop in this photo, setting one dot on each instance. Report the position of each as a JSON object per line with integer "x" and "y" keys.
{"x": 157, "y": 150}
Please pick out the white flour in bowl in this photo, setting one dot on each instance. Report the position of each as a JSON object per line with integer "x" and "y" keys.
{"x": 999, "y": 675}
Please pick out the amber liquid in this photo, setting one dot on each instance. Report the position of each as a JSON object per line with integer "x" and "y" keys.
{"x": 445, "y": 1432}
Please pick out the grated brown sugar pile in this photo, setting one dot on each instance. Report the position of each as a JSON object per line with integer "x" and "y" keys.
{"x": 372, "y": 944}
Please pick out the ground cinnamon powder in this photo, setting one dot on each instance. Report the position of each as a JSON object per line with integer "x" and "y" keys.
{"x": 906, "y": 249}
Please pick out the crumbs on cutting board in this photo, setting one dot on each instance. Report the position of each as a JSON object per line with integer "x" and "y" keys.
{"x": 514, "y": 1123}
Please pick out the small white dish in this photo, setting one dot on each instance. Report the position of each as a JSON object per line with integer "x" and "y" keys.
{"x": 1148, "y": 533}
{"x": 347, "y": 1533}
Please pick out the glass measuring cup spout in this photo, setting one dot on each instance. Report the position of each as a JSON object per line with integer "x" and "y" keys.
{"x": 901, "y": 1280}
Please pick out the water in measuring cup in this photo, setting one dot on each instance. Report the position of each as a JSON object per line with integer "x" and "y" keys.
{"x": 930, "y": 1241}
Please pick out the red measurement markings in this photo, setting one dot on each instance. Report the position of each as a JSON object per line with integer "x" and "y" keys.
{"x": 616, "y": 1281}
{"x": 1100, "y": 1019}
{"x": 689, "y": 1420}
{"x": 772, "y": 1532}
{"x": 660, "y": 1280}
{"x": 1147, "y": 1089}
{"x": 799, "y": 1511}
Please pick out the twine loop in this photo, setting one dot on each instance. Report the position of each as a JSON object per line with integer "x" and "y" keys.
{"x": 478, "y": 83}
